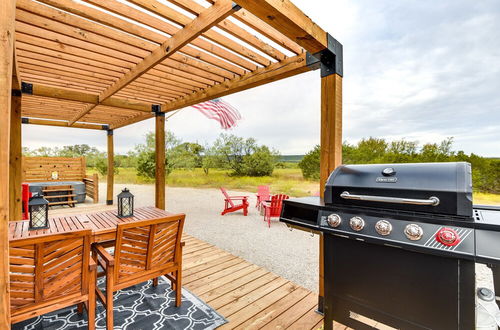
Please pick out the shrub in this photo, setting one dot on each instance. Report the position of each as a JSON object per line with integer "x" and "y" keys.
{"x": 243, "y": 156}
{"x": 101, "y": 165}
{"x": 146, "y": 164}
{"x": 310, "y": 164}
{"x": 259, "y": 163}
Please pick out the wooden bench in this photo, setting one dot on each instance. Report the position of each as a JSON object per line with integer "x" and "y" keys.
{"x": 54, "y": 194}
{"x": 40, "y": 169}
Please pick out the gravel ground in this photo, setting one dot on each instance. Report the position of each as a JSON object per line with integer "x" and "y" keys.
{"x": 290, "y": 254}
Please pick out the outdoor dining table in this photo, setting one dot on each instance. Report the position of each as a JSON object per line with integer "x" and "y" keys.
{"x": 103, "y": 224}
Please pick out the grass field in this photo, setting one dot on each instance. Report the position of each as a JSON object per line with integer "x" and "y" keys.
{"x": 284, "y": 180}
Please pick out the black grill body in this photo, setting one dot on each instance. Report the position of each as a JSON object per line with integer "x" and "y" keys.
{"x": 417, "y": 278}
{"x": 451, "y": 183}
{"x": 368, "y": 284}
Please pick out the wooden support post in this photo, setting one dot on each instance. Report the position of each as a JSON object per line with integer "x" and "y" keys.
{"x": 160, "y": 160}
{"x": 7, "y": 18}
{"x": 331, "y": 146}
{"x": 111, "y": 169}
{"x": 15, "y": 171}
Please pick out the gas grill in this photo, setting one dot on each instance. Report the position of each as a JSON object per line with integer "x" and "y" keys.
{"x": 400, "y": 244}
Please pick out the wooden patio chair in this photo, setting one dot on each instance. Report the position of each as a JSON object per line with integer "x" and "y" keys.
{"x": 263, "y": 193}
{"x": 230, "y": 206}
{"x": 51, "y": 272}
{"x": 273, "y": 208}
{"x": 143, "y": 250}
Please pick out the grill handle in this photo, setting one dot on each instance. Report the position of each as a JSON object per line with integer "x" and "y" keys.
{"x": 433, "y": 201}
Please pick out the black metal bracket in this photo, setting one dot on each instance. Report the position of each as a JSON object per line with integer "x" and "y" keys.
{"x": 105, "y": 127}
{"x": 330, "y": 59}
{"x": 27, "y": 88}
{"x": 109, "y": 202}
{"x": 155, "y": 108}
{"x": 236, "y": 7}
{"x": 321, "y": 305}
{"x": 110, "y": 132}
{"x": 16, "y": 92}
{"x": 25, "y": 120}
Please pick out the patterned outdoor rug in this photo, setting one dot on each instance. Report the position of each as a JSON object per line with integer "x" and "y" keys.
{"x": 140, "y": 307}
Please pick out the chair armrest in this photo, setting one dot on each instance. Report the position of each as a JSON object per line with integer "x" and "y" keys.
{"x": 92, "y": 264}
{"x": 238, "y": 197}
{"x": 108, "y": 258}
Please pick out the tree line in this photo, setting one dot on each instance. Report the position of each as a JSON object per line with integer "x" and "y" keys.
{"x": 245, "y": 157}
{"x": 240, "y": 156}
{"x": 485, "y": 171}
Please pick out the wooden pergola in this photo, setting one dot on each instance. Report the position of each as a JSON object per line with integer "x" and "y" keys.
{"x": 106, "y": 64}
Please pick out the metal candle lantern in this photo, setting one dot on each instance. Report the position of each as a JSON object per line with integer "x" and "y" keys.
{"x": 39, "y": 212}
{"x": 125, "y": 204}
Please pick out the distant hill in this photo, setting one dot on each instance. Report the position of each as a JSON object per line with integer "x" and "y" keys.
{"x": 291, "y": 158}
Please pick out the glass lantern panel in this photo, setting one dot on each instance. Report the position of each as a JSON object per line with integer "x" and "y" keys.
{"x": 126, "y": 207}
{"x": 38, "y": 216}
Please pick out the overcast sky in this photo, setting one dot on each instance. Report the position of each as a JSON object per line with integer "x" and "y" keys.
{"x": 420, "y": 70}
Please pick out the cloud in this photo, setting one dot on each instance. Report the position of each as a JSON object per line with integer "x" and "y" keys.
{"x": 420, "y": 70}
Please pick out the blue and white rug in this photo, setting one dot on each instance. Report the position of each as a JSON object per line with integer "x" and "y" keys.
{"x": 140, "y": 307}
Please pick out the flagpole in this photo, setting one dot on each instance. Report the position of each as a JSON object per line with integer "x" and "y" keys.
{"x": 168, "y": 117}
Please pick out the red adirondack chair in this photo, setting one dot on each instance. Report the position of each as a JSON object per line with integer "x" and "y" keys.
{"x": 230, "y": 206}
{"x": 273, "y": 208}
{"x": 262, "y": 195}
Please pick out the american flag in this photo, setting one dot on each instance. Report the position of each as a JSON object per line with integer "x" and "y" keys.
{"x": 221, "y": 111}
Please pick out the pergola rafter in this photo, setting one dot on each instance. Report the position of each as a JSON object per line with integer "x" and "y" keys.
{"x": 208, "y": 18}
{"x": 79, "y": 48}
{"x": 105, "y": 64}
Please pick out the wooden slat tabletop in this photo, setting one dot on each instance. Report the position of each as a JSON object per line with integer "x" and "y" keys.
{"x": 103, "y": 224}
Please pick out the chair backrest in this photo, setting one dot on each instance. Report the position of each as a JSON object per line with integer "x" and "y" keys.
{"x": 227, "y": 196}
{"x": 145, "y": 246}
{"x": 49, "y": 267}
{"x": 276, "y": 203}
{"x": 263, "y": 191}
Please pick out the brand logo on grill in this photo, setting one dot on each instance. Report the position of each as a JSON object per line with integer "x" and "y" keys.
{"x": 386, "y": 180}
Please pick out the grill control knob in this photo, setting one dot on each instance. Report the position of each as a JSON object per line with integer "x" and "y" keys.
{"x": 357, "y": 223}
{"x": 414, "y": 232}
{"x": 334, "y": 220}
{"x": 448, "y": 237}
{"x": 383, "y": 227}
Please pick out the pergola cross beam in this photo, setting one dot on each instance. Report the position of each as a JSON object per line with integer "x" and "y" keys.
{"x": 276, "y": 71}
{"x": 284, "y": 16}
{"x": 207, "y": 19}
{"x": 92, "y": 99}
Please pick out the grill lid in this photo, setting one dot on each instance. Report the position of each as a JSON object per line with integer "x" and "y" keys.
{"x": 438, "y": 188}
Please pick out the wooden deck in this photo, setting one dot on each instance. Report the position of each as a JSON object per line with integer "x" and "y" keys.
{"x": 248, "y": 296}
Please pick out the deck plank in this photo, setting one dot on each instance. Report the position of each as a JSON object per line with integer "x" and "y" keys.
{"x": 310, "y": 320}
{"x": 266, "y": 315}
{"x": 293, "y": 313}
{"x": 248, "y": 296}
